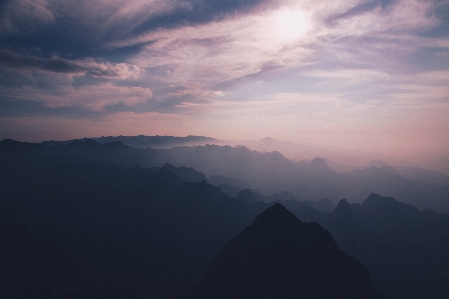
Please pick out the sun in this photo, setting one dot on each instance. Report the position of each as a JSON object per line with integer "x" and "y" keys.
{"x": 289, "y": 24}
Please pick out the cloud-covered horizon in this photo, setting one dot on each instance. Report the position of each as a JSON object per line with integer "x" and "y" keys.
{"x": 362, "y": 75}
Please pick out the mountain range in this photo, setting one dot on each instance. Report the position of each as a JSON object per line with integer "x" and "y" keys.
{"x": 127, "y": 221}
{"x": 271, "y": 172}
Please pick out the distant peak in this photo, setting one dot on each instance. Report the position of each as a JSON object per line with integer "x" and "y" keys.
{"x": 376, "y": 200}
{"x": 342, "y": 207}
{"x": 343, "y": 203}
{"x": 379, "y": 164}
{"x": 319, "y": 163}
{"x": 169, "y": 166}
{"x": 318, "y": 160}
{"x": 374, "y": 196}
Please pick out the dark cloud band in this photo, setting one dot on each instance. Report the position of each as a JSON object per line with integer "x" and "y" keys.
{"x": 73, "y": 67}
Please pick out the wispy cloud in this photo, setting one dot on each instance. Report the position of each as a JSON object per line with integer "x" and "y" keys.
{"x": 82, "y": 67}
{"x": 96, "y": 97}
{"x": 225, "y": 49}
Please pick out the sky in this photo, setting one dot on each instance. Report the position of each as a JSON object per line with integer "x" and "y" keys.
{"x": 362, "y": 76}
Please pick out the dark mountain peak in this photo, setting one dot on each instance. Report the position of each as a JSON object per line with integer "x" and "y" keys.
{"x": 342, "y": 205}
{"x": 165, "y": 172}
{"x": 276, "y": 215}
{"x": 376, "y": 200}
{"x": 278, "y": 256}
{"x": 248, "y": 196}
{"x": 343, "y": 214}
{"x": 376, "y": 203}
{"x": 169, "y": 166}
{"x": 278, "y": 227}
{"x": 8, "y": 142}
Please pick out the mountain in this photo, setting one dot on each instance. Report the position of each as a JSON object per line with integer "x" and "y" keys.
{"x": 34, "y": 268}
{"x": 142, "y": 141}
{"x": 318, "y": 166}
{"x": 279, "y": 256}
{"x": 272, "y": 173}
{"x": 146, "y": 227}
{"x": 157, "y": 229}
{"x": 187, "y": 174}
{"x": 286, "y": 198}
{"x": 305, "y": 152}
{"x": 387, "y": 235}
{"x": 412, "y": 173}
{"x": 217, "y": 180}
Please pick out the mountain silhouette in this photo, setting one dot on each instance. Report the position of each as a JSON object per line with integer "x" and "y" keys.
{"x": 142, "y": 141}
{"x": 404, "y": 249}
{"x": 269, "y": 172}
{"x": 117, "y": 208}
{"x": 279, "y": 256}
{"x": 35, "y": 268}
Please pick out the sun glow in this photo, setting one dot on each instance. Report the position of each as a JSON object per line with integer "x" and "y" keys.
{"x": 290, "y": 24}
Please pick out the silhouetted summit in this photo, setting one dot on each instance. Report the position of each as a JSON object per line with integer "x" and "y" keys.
{"x": 9, "y": 145}
{"x": 342, "y": 205}
{"x": 279, "y": 256}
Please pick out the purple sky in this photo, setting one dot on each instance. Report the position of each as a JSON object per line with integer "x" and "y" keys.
{"x": 363, "y": 76}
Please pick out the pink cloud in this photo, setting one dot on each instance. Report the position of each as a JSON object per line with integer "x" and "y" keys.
{"x": 93, "y": 97}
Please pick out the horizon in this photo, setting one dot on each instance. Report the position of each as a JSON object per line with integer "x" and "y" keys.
{"x": 341, "y": 160}
{"x": 367, "y": 78}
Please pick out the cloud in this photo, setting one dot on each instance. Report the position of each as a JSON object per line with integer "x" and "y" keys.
{"x": 22, "y": 16}
{"x": 223, "y": 50}
{"x": 284, "y": 36}
{"x": 106, "y": 20}
{"x": 80, "y": 67}
{"x": 94, "y": 97}
{"x": 351, "y": 76}
{"x": 424, "y": 91}
{"x": 194, "y": 89}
